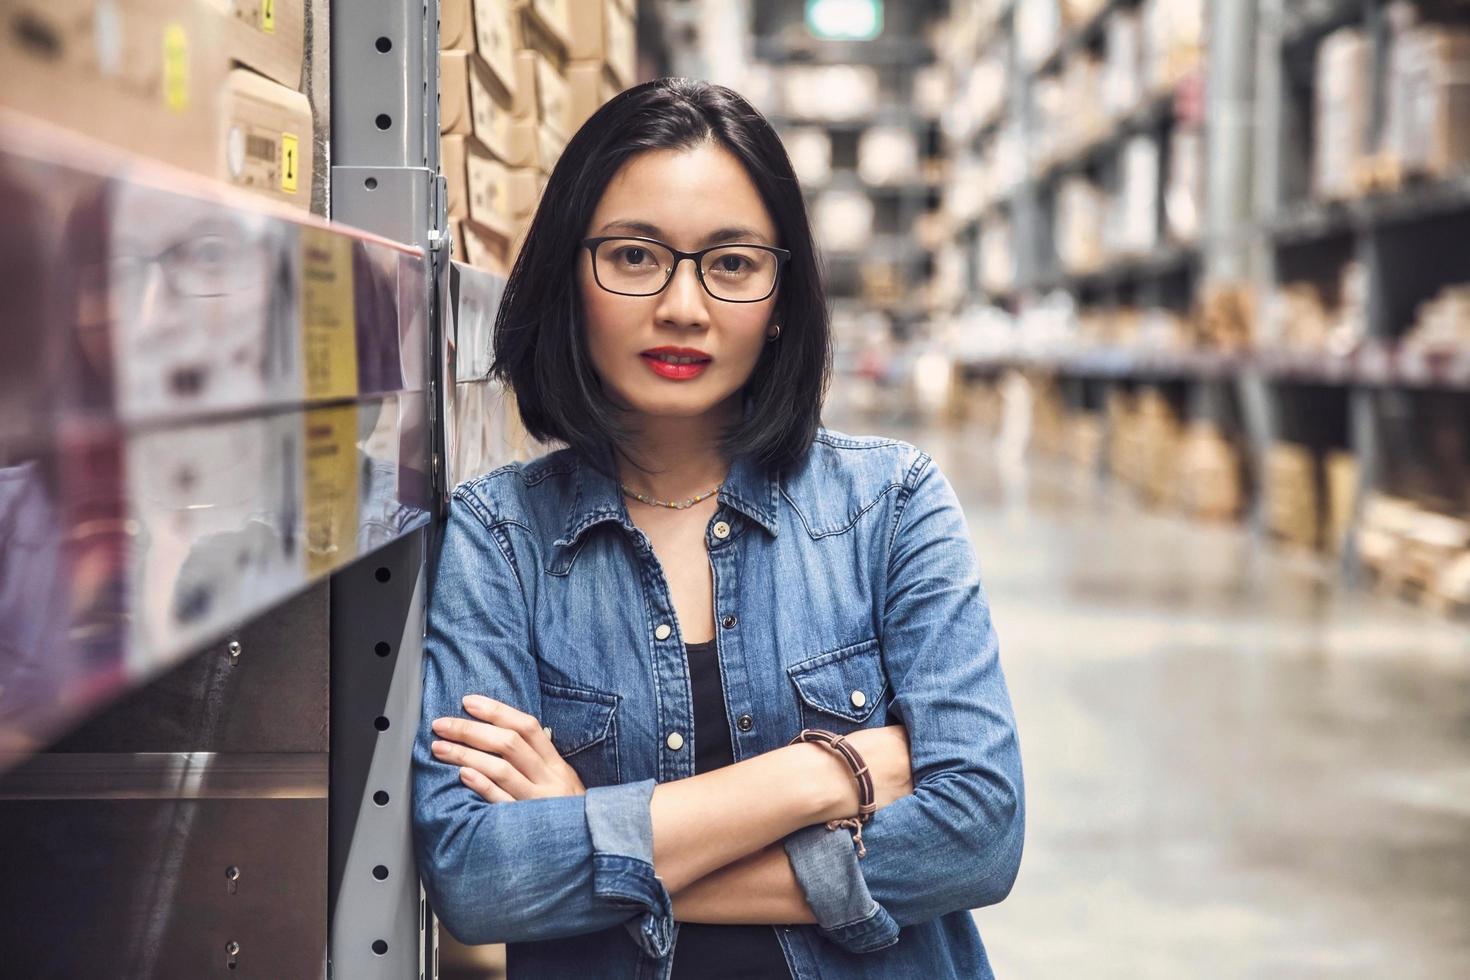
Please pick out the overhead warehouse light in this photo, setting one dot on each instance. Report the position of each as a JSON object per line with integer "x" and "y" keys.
{"x": 845, "y": 20}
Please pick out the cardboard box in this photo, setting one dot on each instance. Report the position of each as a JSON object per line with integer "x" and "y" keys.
{"x": 489, "y": 193}
{"x": 472, "y": 102}
{"x": 545, "y": 26}
{"x": 480, "y": 247}
{"x": 1429, "y": 100}
{"x": 266, "y": 35}
{"x": 589, "y": 86}
{"x": 534, "y": 145}
{"x": 1343, "y": 79}
{"x": 456, "y": 25}
{"x": 496, "y": 40}
{"x": 523, "y": 194}
{"x": 144, "y": 77}
{"x": 602, "y": 31}
{"x": 478, "y": 186}
{"x": 267, "y": 140}
{"x": 541, "y": 92}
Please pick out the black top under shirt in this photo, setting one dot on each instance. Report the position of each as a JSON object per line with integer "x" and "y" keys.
{"x": 706, "y": 951}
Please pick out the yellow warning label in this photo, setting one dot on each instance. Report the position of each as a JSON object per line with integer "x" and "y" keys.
{"x": 268, "y": 16}
{"x": 331, "y": 488}
{"x": 290, "y": 162}
{"x": 176, "y": 67}
{"x": 328, "y": 316}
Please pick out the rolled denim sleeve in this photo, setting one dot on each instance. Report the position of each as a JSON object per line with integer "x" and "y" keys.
{"x": 956, "y": 842}
{"x": 531, "y": 869}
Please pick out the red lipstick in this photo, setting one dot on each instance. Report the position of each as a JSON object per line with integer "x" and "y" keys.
{"x": 676, "y": 363}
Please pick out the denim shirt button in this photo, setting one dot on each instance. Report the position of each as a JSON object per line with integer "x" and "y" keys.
{"x": 662, "y": 631}
{"x": 859, "y": 699}
{"x": 722, "y": 530}
{"x": 745, "y": 723}
{"x": 675, "y": 741}
{"x": 729, "y": 622}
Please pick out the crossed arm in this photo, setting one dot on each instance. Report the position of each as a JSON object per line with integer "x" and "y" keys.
{"x": 716, "y": 835}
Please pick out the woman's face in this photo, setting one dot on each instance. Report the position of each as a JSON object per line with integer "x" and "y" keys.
{"x": 689, "y": 200}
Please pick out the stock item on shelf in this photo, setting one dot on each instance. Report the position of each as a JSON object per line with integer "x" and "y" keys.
{"x": 518, "y": 77}
{"x": 1303, "y": 315}
{"x": 1443, "y": 321}
{"x": 1145, "y": 436}
{"x": 158, "y": 78}
{"x": 1310, "y": 494}
{"x": 1211, "y": 486}
{"x": 1427, "y": 126}
{"x": 1426, "y": 98}
{"x": 1406, "y": 544}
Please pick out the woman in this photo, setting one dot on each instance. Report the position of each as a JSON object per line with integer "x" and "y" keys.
{"x": 624, "y": 635}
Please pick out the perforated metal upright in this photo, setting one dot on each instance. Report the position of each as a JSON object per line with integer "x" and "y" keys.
{"x": 385, "y": 162}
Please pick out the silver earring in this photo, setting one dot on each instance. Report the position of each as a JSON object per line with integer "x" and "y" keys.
{"x": 772, "y": 336}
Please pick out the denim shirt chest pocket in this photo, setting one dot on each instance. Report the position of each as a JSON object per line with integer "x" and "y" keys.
{"x": 583, "y": 727}
{"x": 842, "y": 690}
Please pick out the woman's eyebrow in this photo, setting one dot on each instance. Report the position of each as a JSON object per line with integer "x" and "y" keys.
{"x": 643, "y": 228}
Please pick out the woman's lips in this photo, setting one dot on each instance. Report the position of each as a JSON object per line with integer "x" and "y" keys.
{"x": 673, "y": 371}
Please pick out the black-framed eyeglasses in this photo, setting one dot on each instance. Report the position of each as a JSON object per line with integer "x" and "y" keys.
{"x": 735, "y": 273}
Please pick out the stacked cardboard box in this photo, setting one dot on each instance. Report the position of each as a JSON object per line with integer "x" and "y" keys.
{"x": 1209, "y": 474}
{"x": 517, "y": 82}
{"x": 1443, "y": 321}
{"x": 207, "y": 85}
{"x": 1427, "y": 98}
{"x": 1085, "y": 440}
{"x": 1293, "y": 500}
{"x": 1342, "y": 104}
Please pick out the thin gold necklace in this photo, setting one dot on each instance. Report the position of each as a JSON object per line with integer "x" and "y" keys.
{"x": 671, "y": 504}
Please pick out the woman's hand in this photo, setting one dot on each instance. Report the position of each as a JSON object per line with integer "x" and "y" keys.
{"x": 503, "y": 754}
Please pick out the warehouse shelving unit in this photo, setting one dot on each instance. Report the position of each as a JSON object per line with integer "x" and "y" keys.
{"x": 1381, "y": 399}
{"x": 216, "y": 553}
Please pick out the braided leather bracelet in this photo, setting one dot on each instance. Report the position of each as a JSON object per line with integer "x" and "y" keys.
{"x": 867, "y": 803}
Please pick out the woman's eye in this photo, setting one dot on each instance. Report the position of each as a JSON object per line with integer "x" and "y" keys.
{"x": 632, "y": 256}
{"x": 730, "y": 263}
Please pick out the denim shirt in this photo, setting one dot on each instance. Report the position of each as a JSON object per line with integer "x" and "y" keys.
{"x": 846, "y": 595}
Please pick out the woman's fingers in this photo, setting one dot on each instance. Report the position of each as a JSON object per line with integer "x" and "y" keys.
{"x": 487, "y": 789}
{"x": 532, "y": 734}
{"x": 491, "y": 767}
{"x": 496, "y": 739}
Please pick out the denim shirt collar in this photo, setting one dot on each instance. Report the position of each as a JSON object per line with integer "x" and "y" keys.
{"x": 748, "y": 488}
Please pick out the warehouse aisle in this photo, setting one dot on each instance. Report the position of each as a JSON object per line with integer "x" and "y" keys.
{"x": 1231, "y": 772}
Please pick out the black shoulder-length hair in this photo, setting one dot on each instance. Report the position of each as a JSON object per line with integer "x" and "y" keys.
{"x": 540, "y": 342}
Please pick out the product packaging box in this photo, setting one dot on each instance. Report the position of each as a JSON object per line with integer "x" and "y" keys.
{"x": 471, "y": 101}
{"x": 601, "y": 30}
{"x": 478, "y": 185}
{"x": 267, "y": 142}
{"x": 456, "y": 25}
{"x": 144, "y": 77}
{"x": 589, "y": 85}
{"x": 545, "y": 26}
{"x": 496, "y": 39}
{"x": 1343, "y": 78}
{"x": 480, "y": 247}
{"x": 223, "y": 338}
{"x": 268, "y": 36}
{"x": 541, "y": 92}
{"x": 534, "y": 145}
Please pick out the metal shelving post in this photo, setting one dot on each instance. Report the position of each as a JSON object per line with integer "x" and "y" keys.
{"x": 385, "y": 139}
